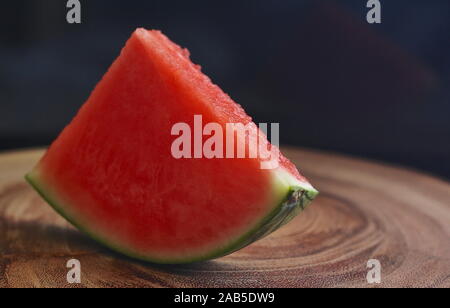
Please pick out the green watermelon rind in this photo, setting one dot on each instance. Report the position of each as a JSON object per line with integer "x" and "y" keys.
{"x": 298, "y": 197}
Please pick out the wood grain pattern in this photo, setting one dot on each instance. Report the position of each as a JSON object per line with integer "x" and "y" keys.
{"x": 365, "y": 211}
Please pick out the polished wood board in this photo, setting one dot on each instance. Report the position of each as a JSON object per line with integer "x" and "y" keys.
{"x": 365, "y": 211}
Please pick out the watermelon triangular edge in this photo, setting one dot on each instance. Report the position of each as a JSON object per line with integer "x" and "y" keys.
{"x": 297, "y": 199}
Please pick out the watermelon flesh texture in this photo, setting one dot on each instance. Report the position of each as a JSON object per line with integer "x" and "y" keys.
{"x": 111, "y": 173}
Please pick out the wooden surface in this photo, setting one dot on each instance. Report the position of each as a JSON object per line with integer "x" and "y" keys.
{"x": 365, "y": 211}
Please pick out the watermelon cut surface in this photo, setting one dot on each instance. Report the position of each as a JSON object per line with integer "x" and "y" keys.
{"x": 111, "y": 172}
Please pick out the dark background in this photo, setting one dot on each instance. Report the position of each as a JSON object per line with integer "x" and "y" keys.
{"x": 333, "y": 81}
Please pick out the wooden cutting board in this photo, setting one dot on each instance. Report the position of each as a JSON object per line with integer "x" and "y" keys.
{"x": 365, "y": 211}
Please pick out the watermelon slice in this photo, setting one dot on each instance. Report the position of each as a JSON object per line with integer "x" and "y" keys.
{"x": 111, "y": 173}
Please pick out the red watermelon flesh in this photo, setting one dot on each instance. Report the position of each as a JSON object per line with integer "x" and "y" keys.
{"x": 112, "y": 175}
